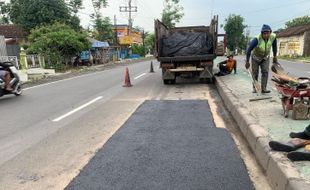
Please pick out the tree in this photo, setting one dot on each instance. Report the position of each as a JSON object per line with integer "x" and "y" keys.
{"x": 98, "y": 4}
{"x": 172, "y": 13}
{"x": 58, "y": 41}
{"x": 103, "y": 29}
{"x": 102, "y": 25}
{"x": 150, "y": 42}
{"x": 74, "y": 5}
{"x": 298, "y": 21}
{"x": 32, "y": 13}
{"x": 137, "y": 49}
{"x": 234, "y": 28}
{"x": 4, "y": 8}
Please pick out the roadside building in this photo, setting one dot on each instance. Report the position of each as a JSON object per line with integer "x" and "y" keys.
{"x": 12, "y": 35}
{"x": 100, "y": 51}
{"x": 294, "y": 41}
{"x": 135, "y": 36}
{"x": 126, "y": 41}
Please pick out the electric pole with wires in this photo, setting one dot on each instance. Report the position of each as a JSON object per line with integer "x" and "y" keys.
{"x": 129, "y": 9}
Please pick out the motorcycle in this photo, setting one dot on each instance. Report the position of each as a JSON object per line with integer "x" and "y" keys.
{"x": 15, "y": 81}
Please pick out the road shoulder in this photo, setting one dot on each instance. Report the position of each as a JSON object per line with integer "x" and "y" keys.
{"x": 258, "y": 127}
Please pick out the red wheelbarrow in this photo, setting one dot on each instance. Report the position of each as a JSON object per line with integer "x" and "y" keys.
{"x": 296, "y": 99}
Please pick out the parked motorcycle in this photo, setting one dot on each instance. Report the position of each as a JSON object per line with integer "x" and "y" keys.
{"x": 15, "y": 81}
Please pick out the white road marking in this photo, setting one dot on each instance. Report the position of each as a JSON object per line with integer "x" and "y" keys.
{"x": 46, "y": 84}
{"x": 77, "y": 109}
{"x": 140, "y": 76}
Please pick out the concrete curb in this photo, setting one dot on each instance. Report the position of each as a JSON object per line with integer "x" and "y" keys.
{"x": 280, "y": 172}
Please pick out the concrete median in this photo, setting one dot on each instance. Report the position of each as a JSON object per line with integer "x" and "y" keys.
{"x": 282, "y": 173}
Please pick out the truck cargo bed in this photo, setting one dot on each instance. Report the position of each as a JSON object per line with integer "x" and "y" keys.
{"x": 187, "y": 58}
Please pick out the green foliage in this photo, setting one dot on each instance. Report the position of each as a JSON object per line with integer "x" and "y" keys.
{"x": 137, "y": 49}
{"x": 234, "y": 29}
{"x": 172, "y": 13}
{"x": 58, "y": 41}
{"x": 150, "y": 42}
{"x": 298, "y": 21}
{"x": 30, "y": 14}
{"x": 74, "y": 5}
{"x": 98, "y": 4}
{"x": 4, "y": 8}
{"x": 103, "y": 29}
{"x": 244, "y": 42}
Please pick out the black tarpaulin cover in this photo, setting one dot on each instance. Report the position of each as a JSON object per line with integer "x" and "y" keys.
{"x": 186, "y": 44}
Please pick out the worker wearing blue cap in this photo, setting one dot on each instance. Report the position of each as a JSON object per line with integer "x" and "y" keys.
{"x": 260, "y": 48}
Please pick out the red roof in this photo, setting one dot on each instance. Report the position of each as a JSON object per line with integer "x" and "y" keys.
{"x": 294, "y": 31}
{"x": 11, "y": 31}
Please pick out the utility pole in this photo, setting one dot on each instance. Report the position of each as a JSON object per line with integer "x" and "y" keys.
{"x": 116, "y": 31}
{"x": 143, "y": 41}
{"x": 129, "y": 9}
{"x": 116, "y": 38}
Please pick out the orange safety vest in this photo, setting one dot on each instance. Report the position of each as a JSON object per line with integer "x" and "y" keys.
{"x": 230, "y": 65}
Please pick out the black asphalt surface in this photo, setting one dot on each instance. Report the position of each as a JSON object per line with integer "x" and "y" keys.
{"x": 167, "y": 145}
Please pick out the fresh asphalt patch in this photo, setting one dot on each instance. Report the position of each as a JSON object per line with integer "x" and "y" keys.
{"x": 167, "y": 145}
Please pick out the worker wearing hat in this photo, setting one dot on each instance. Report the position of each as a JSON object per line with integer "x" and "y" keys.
{"x": 260, "y": 48}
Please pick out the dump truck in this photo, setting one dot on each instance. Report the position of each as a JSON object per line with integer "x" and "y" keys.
{"x": 187, "y": 51}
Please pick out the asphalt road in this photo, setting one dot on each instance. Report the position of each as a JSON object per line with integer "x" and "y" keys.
{"x": 297, "y": 69}
{"x": 52, "y": 131}
{"x": 28, "y": 119}
{"x": 294, "y": 68}
{"x": 167, "y": 145}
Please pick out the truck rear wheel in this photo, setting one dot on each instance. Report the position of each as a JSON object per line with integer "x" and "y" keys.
{"x": 166, "y": 81}
{"x": 211, "y": 80}
{"x": 169, "y": 81}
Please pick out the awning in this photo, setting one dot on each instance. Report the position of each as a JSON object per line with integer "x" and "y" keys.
{"x": 99, "y": 44}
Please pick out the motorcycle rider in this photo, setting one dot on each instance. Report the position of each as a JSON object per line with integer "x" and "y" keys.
{"x": 5, "y": 75}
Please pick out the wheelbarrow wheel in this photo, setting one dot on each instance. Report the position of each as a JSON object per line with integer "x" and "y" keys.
{"x": 285, "y": 106}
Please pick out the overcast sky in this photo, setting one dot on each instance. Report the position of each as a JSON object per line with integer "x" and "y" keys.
{"x": 198, "y": 12}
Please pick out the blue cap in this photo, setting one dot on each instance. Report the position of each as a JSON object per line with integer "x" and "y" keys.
{"x": 266, "y": 28}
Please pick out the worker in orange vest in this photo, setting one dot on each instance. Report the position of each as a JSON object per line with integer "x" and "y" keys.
{"x": 226, "y": 67}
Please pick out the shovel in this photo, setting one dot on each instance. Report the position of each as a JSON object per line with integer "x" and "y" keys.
{"x": 258, "y": 89}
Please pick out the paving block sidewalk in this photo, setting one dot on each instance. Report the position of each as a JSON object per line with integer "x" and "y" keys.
{"x": 260, "y": 122}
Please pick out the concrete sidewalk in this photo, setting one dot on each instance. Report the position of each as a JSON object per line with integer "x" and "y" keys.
{"x": 260, "y": 122}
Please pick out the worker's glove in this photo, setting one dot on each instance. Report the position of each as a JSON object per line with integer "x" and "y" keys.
{"x": 275, "y": 60}
{"x": 247, "y": 64}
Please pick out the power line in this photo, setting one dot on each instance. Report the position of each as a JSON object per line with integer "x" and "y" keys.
{"x": 279, "y": 22}
{"x": 129, "y": 9}
{"x": 275, "y": 7}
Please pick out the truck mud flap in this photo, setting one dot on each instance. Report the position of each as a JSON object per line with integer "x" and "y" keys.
{"x": 206, "y": 73}
{"x": 168, "y": 75}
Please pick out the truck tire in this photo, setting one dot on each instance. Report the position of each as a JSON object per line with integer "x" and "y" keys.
{"x": 211, "y": 80}
{"x": 169, "y": 81}
{"x": 203, "y": 80}
{"x": 173, "y": 81}
{"x": 166, "y": 81}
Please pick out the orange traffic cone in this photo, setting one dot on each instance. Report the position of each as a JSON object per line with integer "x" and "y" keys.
{"x": 152, "y": 68}
{"x": 127, "y": 79}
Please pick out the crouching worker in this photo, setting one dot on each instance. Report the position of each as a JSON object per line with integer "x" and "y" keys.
{"x": 226, "y": 67}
